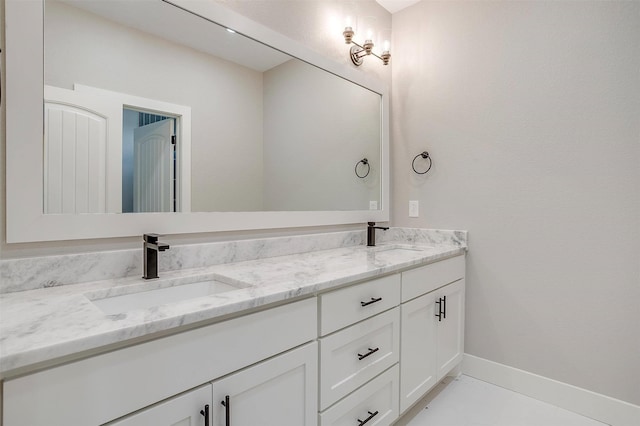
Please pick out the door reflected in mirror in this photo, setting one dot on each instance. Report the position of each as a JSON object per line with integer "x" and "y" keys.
{"x": 149, "y": 162}
{"x": 195, "y": 118}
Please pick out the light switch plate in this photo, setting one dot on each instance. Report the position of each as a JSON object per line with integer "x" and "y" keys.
{"x": 373, "y": 205}
{"x": 414, "y": 206}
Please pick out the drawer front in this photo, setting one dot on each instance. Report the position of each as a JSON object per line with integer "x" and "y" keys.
{"x": 341, "y": 308}
{"x": 140, "y": 375}
{"x": 417, "y": 282}
{"x": 355, "y": 355}
{"x": 376, "y": 401}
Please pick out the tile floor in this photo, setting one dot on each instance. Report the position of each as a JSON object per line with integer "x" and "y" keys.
{"x": 466, "y": 401}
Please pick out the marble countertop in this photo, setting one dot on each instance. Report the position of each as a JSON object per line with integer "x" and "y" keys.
{"x": 45, "y": 325}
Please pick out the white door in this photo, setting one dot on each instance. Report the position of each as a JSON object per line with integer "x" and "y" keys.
{"x": 281, "y": 391}
{"x": 153, "y": 169}
{"x": 418, "y": 349}
{"x": 451, "y": 329}
{"x": 187, "y": 409}
{"x": 82, "y": 153}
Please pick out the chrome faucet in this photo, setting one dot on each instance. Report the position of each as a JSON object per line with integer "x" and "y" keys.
{"x": 151, "y": 247}
{"x": 371, "y": 233}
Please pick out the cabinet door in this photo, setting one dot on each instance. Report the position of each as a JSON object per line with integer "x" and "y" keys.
{"x": 183, "y": 410}
{"x": 418, "y": 349}
{"x": 450, "y": 344}
{"x": 281, "y": 391}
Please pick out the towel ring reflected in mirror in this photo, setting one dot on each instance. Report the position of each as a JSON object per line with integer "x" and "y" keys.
{"x": 365, "y": 162}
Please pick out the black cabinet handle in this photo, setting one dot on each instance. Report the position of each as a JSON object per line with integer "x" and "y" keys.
{"x": 439, "y": 303}
{"x": 373, "y": 300}
{"x": 444, "y": 309}
{"x": 205, "y": 413}
{"x": 371, "y": 351}
{"x": 227, "y": 410}
{"x": 371, "y": 415}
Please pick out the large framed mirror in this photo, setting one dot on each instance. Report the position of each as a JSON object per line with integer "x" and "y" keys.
{"x": 179, "y": 117}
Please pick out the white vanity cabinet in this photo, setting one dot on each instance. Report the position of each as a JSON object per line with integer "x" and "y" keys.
{"x": 280, "y": 391}
{"x": 432, "y": 333}
{"x": 106, "y": 387}
{"x": 362, "y": 353}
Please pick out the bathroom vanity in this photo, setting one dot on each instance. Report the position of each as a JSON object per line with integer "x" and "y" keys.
{"x": 351, "y": 335}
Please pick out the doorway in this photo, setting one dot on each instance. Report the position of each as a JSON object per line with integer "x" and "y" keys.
{"x": 149, "y": 162}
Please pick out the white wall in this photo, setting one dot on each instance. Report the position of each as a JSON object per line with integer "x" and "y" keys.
{"x": 531, "y": 112}
{"x": 225, "y": 99}
{"x": 307, "y": 164}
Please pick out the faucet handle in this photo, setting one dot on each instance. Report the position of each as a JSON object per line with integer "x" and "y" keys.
{"x": 371, "y": 223}
{"x": 151, "y": 238}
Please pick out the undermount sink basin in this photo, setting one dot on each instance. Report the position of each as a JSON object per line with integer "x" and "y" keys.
{"x": 145, "y": 299}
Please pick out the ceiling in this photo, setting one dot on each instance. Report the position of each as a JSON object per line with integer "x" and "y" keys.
{"x": 395, "y": 5}
{"x": 186, "y": 29}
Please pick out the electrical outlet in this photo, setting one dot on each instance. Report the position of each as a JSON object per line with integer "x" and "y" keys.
{"x": 414, "y": 206}
{"x": 373, "y": 205}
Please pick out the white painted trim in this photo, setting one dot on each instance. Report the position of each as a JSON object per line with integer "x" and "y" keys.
{"x": 25, "y": 219}
{"x": 587, "y": 403}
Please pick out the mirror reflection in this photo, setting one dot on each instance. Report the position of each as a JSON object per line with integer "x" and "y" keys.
{"x": 151, "y": 108}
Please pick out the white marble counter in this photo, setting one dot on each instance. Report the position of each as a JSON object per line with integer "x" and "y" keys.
{"x": 49, "y": 324}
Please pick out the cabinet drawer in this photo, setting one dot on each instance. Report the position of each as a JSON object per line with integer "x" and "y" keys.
{"x": 378, "y": 400}
{"x": 428, "y": 278}
{"x": 353, "y": 356}
{"x": 344, "y": 307}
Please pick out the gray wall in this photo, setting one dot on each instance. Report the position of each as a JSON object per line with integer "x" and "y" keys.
{"x": 531, "y": 111}
{"x": 309, "y": 165}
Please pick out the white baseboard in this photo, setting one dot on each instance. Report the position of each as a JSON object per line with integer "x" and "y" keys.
{"x": 590, "y": 404}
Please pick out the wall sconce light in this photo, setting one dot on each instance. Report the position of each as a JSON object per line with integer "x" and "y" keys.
{"x": 358, "y": 52}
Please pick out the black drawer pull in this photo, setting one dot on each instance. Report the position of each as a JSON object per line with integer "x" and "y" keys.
{"x": 371, "y": 351}
{"x": 205, "y": 413}
{"x": 439, "y": 303}
{"x": 373, "y": 300}
{"x": 227, "y": 411}
{"x": 371, "y": 415}
{"x": 444, "y": 309}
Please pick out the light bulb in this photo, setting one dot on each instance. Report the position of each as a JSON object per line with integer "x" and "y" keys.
{"x": 385, "y": 46}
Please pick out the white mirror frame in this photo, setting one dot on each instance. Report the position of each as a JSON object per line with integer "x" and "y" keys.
{"x": 26, "y": 221}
